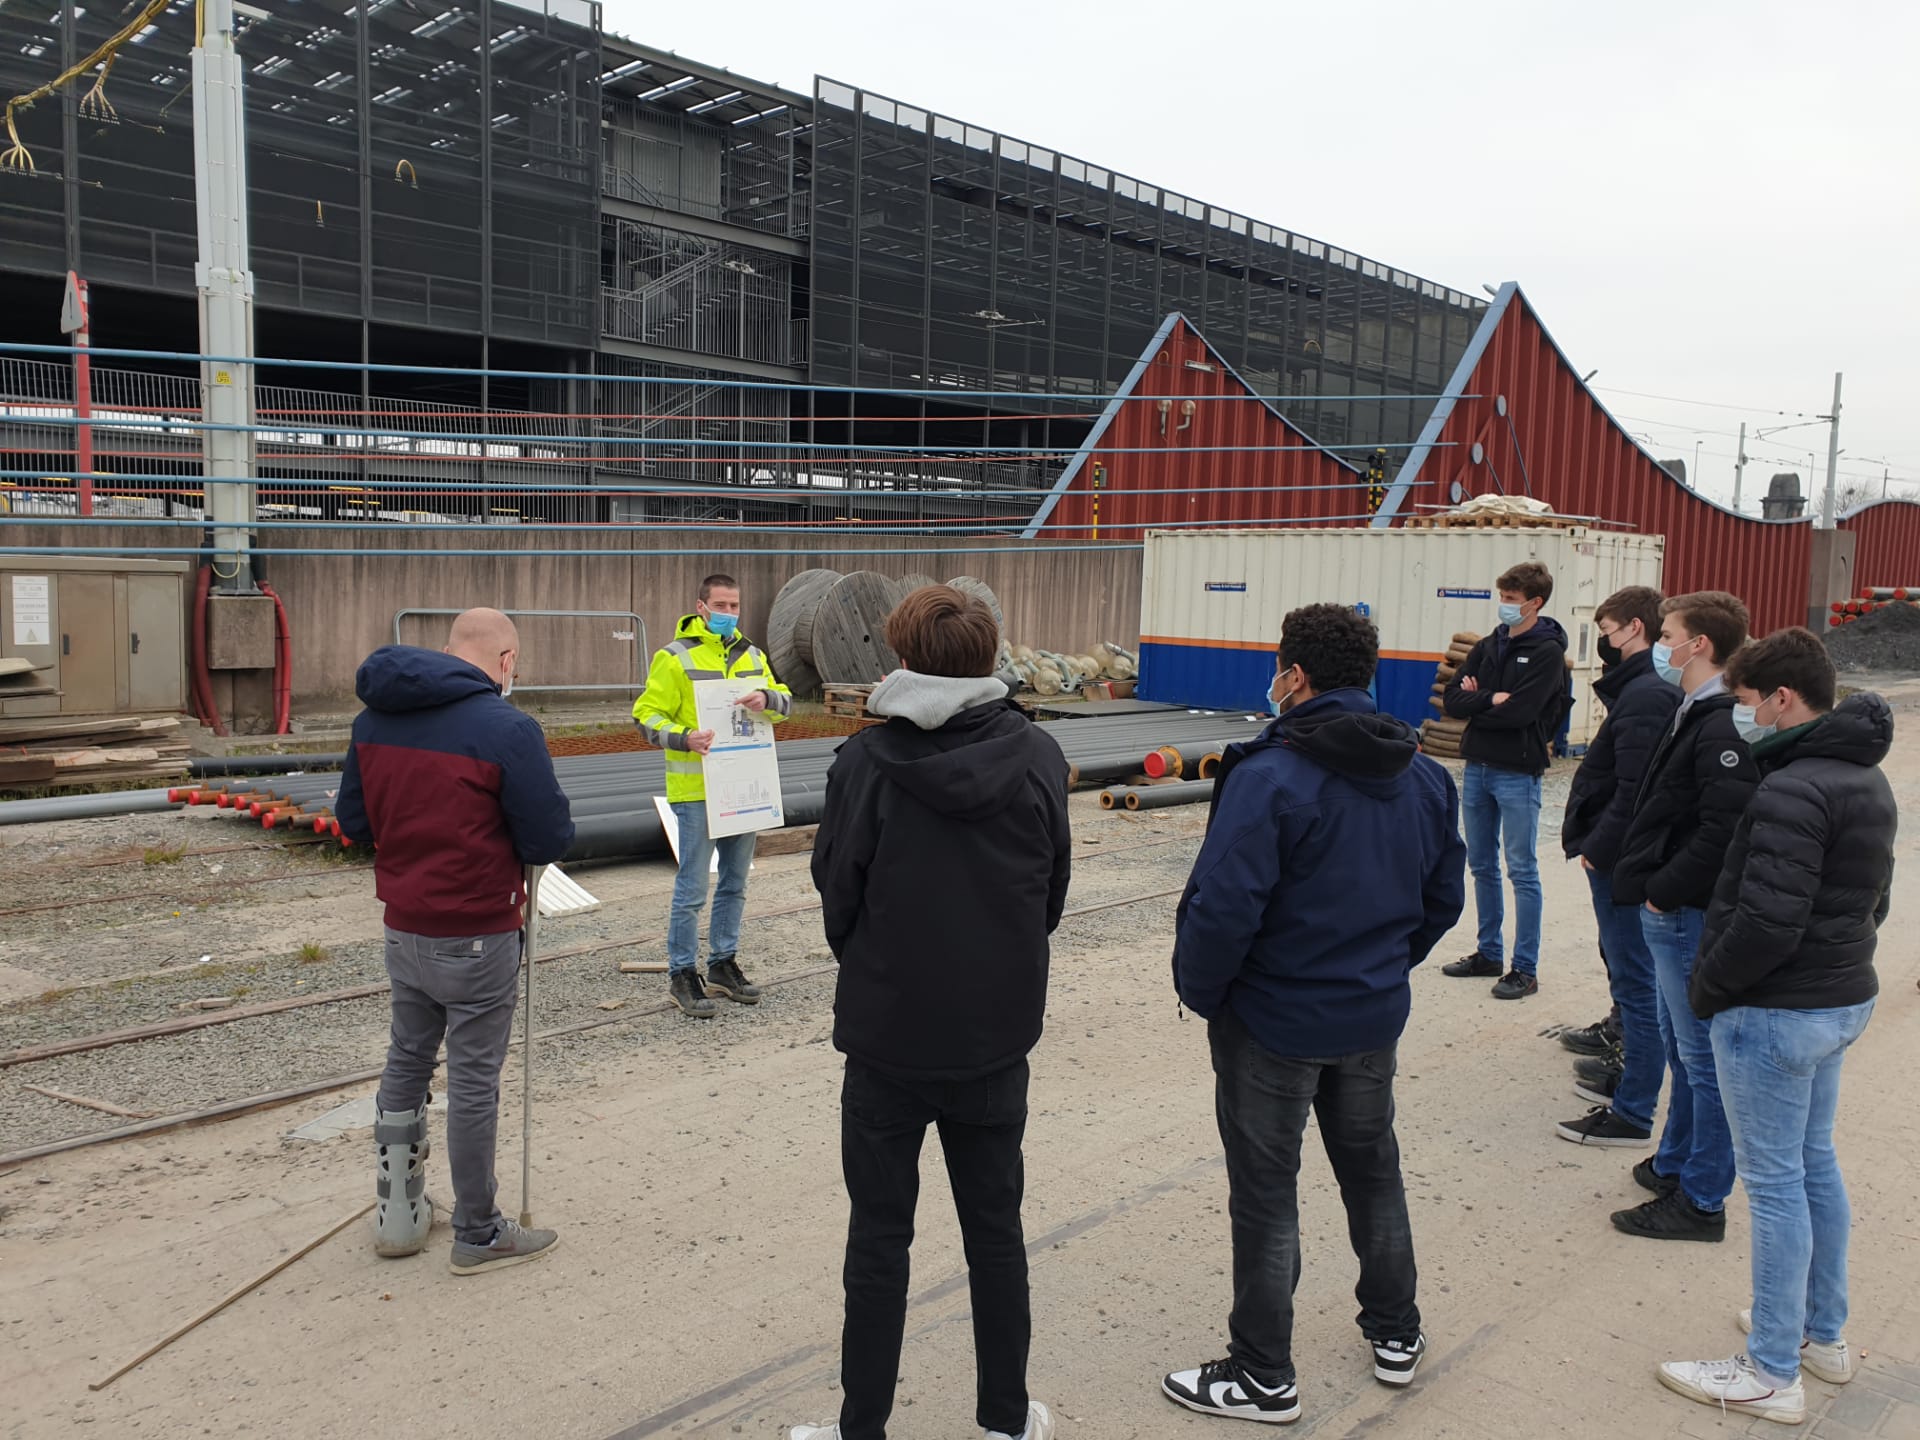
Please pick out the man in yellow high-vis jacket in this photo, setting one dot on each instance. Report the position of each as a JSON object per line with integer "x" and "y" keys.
{"x": 707, "y": 645}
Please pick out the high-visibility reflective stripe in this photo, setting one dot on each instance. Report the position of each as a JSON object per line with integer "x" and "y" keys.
{"x": 682, "y": 760}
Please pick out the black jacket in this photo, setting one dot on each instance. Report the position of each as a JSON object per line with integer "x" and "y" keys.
{"x": 1640, "y": 708}
{"x": 1797, "y": 911}
{"x": 942, "y": 864}
{"x": 1697, "y": 787}
{"x": 1531, "y": 669}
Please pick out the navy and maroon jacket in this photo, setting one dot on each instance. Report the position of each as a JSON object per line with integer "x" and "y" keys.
{"x": 456, "y": 788}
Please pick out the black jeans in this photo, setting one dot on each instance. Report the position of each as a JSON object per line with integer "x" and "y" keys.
{"x": 1262, "y": 1100}
{"x": 882, "y": 1124}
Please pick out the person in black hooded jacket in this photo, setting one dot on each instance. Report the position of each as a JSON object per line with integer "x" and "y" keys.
{"x": 942, "y": 863}
{"x": 1786, "y": 978}
{"x": 1698, "y": 784}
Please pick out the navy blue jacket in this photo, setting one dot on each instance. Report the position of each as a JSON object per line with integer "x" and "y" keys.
{"x": 1332, "y": 866}
{"x": 1640, "y": 708}
{"x": 455, "y": 787}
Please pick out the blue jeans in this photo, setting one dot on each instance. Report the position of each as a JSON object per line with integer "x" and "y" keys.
{"x": 690, "y": 890}
{"x": 1630, "y": 977}
{"x": 1502, "y": 812}
{"x": 1780, "y": 1073}
{"x": 1696, "y": 1146}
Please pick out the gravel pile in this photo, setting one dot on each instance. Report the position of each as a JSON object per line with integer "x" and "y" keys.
{"x": 1886, "y": 641}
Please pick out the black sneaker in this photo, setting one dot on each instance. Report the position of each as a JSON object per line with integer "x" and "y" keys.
{"x": 686, "y": 991}
{"x": 724, "y": 978}
{"x": 1597, "y": 1069}
{"x": 1672, "y": 1217}
{"x": 1600, "y": 1126}
{"x": 1599, "y": 1089}
{"x": 1592, "y": 1040}
{"x": 1648, "y": 1178}
{"x": 1516, "y": 985}
{"x": 1394, "y": 1361}
{"x": 1221, "y": 1387}
{"x": 1471, "y": 967}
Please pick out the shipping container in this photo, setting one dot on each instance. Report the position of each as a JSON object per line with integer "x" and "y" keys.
{"x": 1212, "y": 602}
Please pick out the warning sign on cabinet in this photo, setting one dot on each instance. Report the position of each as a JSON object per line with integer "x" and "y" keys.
{"x": 32, "y": 610}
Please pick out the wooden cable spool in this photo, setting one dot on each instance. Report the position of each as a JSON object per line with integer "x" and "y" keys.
{"x": 790, "y": 630}
{"x": 847, "y": 637}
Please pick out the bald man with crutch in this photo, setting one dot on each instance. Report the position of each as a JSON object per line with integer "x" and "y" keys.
{"x": 456, "y": 789}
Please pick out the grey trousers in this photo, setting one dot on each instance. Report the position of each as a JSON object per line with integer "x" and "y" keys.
{"x": 462, "y": 989}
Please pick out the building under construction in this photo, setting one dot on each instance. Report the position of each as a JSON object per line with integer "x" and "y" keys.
{"x": 507, "y": 196}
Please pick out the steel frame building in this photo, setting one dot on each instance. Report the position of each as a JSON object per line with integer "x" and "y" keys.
{"x": 497, "y": 186}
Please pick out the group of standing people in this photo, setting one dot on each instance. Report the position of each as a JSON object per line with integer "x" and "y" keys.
{"x": 1731, "y": 819}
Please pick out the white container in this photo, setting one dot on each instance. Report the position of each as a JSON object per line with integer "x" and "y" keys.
{"x": 1212, "y": 602}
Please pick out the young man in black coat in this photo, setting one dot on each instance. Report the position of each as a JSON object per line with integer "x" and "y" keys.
{"x": 942, "y": 864}
{"x": 1786, "y": 980}
{"x": 1640, "y": 708}
{"x": 1697, "y": 787}
{"x": 1512, "y": 692}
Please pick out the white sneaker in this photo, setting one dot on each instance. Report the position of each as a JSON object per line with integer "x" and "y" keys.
{"x": 1221, "y": 1387}
{"x": 1039, "y": 1425}
{"x": 1735, "y": 1387}
{"x": 814, "y": 1432}
{"x": 1831, "y": 1363}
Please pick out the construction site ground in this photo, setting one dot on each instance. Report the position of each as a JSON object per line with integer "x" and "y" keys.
{"x": 692, "y": 1169}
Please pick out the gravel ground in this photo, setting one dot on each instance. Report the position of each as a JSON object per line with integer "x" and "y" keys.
{"x": 1886, "y": 642}
{"x": 225, "y": 1062}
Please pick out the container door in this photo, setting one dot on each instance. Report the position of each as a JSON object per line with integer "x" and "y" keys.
{"x": 88, "y": 653}
{"x": 156, "y": 658}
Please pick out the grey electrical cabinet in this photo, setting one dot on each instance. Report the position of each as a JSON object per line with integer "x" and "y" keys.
{"x": 104, "y": 636}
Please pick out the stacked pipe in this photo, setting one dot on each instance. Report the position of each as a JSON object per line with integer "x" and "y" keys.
{"x": 1872, "y": 598}
{"x": 612, "y": 796}
{"x": 1440, "y": 736}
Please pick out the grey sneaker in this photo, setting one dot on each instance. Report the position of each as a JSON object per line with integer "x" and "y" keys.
{"x": 510, "y": 1246}
{"x": 686, "y": 991}
{"x": 724, "y": 977}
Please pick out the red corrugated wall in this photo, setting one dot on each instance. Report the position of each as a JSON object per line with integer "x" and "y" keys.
{"x": 1211, "y": 486}
{"x": 1564, "y": 448}
{"x": 1887, "y": 551}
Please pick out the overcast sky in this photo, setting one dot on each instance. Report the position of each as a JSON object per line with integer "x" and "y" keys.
{"x": 1706, "y": 200}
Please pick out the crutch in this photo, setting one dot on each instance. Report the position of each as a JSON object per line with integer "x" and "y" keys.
{"x": 527, "y": 936}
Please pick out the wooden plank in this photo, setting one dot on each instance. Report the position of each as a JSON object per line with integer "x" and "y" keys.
{"x": 794, "y": 841}
{"x": 25, "y": 769}
{"x": 105, "y": 1107}
{"x": 19, "y": 732}
{"x": 102, "y": 759}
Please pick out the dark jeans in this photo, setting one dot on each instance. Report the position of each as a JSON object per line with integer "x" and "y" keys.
{"x": 1262, "y": 1101}
{"x": 1630, "y": 976}
{"x": 882, "y": 1124}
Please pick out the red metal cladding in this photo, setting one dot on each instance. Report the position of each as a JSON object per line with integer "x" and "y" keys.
{"x": 1214, "y": 461}
{"x": 1887, "y": 551}
{"x": 1557, "y": 443}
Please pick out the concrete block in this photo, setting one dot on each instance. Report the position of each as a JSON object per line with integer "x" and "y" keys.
{"x": 240, "y": 632}
{"x": 1855, "y": 1407}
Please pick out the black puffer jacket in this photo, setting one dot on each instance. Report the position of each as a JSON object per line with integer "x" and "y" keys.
{"x": 1697, "y": 787}
{"x": 1640, "y": 708}
{"x": 942, "y": 864}
{"x": 1531, "y": 670}
{"x": 1797, "y": 912}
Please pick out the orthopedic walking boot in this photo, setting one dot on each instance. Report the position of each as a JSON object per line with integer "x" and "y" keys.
{"x": 404, "y": 1215}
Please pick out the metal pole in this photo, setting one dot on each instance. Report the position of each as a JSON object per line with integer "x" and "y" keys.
{"x": 533, "y": 874}
{"x": 1739, "y": 465}
{"x": 1827, "y": 520}
{"x": 76, "y": 321}
{"x": 224, "y": 278}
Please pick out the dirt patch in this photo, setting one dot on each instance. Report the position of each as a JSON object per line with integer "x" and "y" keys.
{"x": 1887, "y": 641}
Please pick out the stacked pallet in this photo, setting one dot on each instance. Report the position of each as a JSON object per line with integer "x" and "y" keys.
{"x": 849, "y": 702}
{"x": 57, "y": 753}
{"x": 1440, "y": 737}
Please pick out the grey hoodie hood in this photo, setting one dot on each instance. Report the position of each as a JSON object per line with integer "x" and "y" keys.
{"x": 930, "y": 701}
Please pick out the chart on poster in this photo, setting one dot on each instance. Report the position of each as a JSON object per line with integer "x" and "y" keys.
{"x": 742, "y": 771}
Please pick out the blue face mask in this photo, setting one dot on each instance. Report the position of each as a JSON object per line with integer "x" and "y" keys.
{"x": 1663, "y": 663}
{"x": 1511, "y": 614}
{"x": 1746, "y": 719}
{"x": 723, "y": 625}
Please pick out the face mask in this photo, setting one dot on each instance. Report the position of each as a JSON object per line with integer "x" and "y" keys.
{"x": 506, "y": 682}
{"x": 723, "y": 625}
{"x": 1663, "y": 662}
{"x": 1608, "y": 652}
{"x": 1511, "y": 614}
{"x": 1746, "y": 721}
{"x": 1283, "y": 704}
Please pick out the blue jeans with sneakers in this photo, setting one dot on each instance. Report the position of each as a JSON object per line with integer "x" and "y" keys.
{"x": 1500, "y": 810}
{"x": 1780, "y": 1076}
{"x": 690, "y": 890}
{"x": 1696, "y": 1144}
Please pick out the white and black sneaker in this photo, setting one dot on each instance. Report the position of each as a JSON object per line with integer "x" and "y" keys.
{"x": 1394, "y": 1361}
{"x": 1221, "y": 1387}
{"x": 1601, "y": 1126}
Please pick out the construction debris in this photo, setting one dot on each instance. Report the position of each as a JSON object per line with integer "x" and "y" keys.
{"x": 64, "y": 753}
